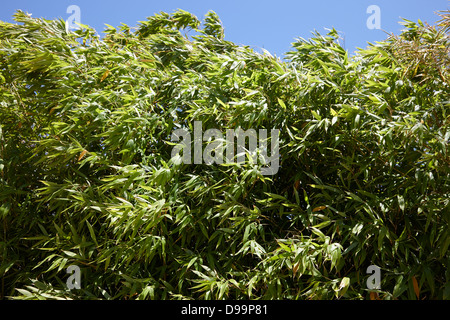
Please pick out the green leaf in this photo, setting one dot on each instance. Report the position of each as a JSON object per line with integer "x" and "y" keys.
{"x": 281, "y": 102}
{"x": 91, "y": 232}
{"x": 399, "y": 287}
{"x": 316, "y": 115}
{"x": 343, "y": 286}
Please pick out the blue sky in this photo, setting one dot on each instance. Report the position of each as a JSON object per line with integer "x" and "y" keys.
{"x": 272, "y": 25}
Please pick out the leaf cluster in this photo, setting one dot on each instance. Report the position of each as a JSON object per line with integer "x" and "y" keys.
{"x": 87, "y": 179}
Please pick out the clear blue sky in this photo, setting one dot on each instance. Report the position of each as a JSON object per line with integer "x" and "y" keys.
{"x": 272, "y": 25}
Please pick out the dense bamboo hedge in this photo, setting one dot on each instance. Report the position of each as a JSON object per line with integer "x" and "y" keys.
{"x": 87, "y": 178}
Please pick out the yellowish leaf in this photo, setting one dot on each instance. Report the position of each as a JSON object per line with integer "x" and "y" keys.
{"x": 333, "y": 112}
{"x": 319, "y": 208}
{"x": 295, "y": 268}
{"x": 105, "y": 75}
{"x": 83, "y": 153}
{"x": 416, "y": 287}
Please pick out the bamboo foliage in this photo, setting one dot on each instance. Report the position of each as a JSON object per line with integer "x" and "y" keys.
{"x": 87, "y": 178}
